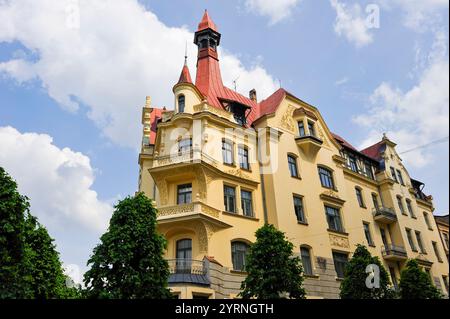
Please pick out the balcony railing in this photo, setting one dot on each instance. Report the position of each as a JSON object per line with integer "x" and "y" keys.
{"x": 394, "y": 252}
{"x": 188, "y": 271}
{"x": 187, "y": 209}
{"x": 384, "y": 215}
{"x": 191, "y": 156}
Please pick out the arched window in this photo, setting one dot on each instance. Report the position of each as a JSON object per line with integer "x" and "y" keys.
{"x": 326, "y": 177}
{"x": 181, "y": 103}
{"x": 239, "y": 252}
{"x": 305, "y": 253}
{"x": 359, "y": 197}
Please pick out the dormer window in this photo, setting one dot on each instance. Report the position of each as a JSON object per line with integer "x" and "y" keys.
{"x": 238, "y": 111}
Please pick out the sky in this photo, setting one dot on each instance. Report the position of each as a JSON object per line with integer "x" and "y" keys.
{"x": 74, "y": 75}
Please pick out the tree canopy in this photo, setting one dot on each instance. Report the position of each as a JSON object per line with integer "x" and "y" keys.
{"x": 416, "y": 283}
{"x": 128, "y": 263}
{"x": 354, "y": 284}
{"x": 272, "y": 269}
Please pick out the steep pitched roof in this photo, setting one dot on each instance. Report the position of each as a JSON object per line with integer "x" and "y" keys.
{"x": 185, "y": 76}
{"x": 442, "y": 219}
{"x": 206, "y": 23}
{"x": 270, "y": 104}
{"x": 155, "y": 116}
{"x": 374, "y": 151}
{"x": 343, "y": 142}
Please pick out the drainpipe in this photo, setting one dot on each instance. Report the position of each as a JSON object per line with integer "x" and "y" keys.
{"x": 263, "y": 188}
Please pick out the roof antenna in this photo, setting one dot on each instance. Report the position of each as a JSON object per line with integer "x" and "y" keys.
{"x": 279, "y": 83}
{"x": 235, "y": 83}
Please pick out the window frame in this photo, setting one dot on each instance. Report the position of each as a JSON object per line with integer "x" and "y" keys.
{"x": 410, "y": 238}
{"x": 400, "y": 205}
{"x": 303, "y": 220}
{"x": 292, "y": 164}
{"x": 312, "y": 128}
{"x": 308, "y": 270}
{"x": 393, "y": 174}
{"x": 235, "y": 253}
{"x": 227, "y": 152}
{"x": 182, "y": 149}
{"x": 301, "y": 128}
{"x": 420, "y": 243}
{"x": 436, "y": 251}
{"x": 184, "y": 194}
{"x": 243, "y": 154}
{"x": 227, "y": 197}
{"x": 368, "y": 234}
{"x": 360, "y": 197}
{"x": 337, "y": 216}
{"x": 248, "y": 201}
{"x": 183, "y": 97}
{"x": 400, "y": 177}
{"x": 339, "y": 263}
{"x": 326, "y": 177}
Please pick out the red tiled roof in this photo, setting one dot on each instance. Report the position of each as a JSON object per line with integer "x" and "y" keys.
{"x": 206, "y": 23}
{"x": 271, "y": 104}
{"x": 374, "y": 151}
{"x": 185, "y": 76}
{"x": 155, "y": 115}
{"x": 343, "y": 142}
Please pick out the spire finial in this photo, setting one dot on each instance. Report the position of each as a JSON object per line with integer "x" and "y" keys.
{"x": 185, "y": 54}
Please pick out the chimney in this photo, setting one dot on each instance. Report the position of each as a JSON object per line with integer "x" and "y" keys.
{"x": 252, "y": 95}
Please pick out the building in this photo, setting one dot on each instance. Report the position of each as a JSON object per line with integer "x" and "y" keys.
{"x": 220, "y": 165}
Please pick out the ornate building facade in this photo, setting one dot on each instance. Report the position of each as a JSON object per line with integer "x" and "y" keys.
{"x": 220, "y": 165}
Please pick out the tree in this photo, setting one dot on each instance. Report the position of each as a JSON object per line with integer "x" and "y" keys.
{"x": 272, "y": 269}
{"x": 354, "y": 284}
{"x": 129, "y": 262}
{"x": 416, "y": 283}
{"x": 13, "y": 206}
{"x": 29, "y": 263}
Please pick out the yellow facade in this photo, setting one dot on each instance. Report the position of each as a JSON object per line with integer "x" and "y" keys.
{"x": 201, "y": 217}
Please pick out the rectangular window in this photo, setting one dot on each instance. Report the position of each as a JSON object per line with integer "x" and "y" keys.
{"x": 306, "y": 261}
{"x": 400, "y": 205}
{"x": 299, "y": 211}
{"x": 445, "y": 236}
{"x": 353, "y": 164}
{"x": 394, "y": 278}
{"x": 246, "y": 203}
{"x": 375, "y": 202}
{"x": 326, "y": 178}
{"x": 359, "y": 197}
{"x": 427, "y": 220}
{"x": 400, "y": 177}
{"x": 445, "y": 280}
{"x": 369, "y": 171}
{"x": 420, "y": 243}
{"x": 393, "y": 175}
{"x": 334, "y": 219}
{"x": 311, "y": 128}
{"x": 185, "y": 145}
{"x": 368, "y": 234}
{"x": 410, "y": 209}
{"x": 340, "y": 261}
{"x": 243, "y": 158}
{"x": 410, "y": 239}
{"x": 292, "y": 162}
{"x": 227, "y": 152}
{"x": 301, "y": 129}
{"x": 184, "y": 194}
{"x": 229, "y": 197}
{"x": 436, "y": 251}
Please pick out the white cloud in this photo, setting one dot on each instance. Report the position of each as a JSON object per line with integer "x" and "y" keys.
{"x": 57, "y": 181}
{"x": 341, "y": 81}
{"x": 276, "y": 10}
{"x": 351, "y": 23}
{"x": 419, "y": 15}
{"x": 412, "y": 118}
{"x": 116, "y": 55}
{"x": 74, "y": 271}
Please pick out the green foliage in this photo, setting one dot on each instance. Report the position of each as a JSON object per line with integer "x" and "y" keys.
{"x": 129, "y": 263}
{"x": 354, "y": 284}
{"x": 416, "y": 283}
{"x": 272, "y": 269}
{"x": 29, "y": 263}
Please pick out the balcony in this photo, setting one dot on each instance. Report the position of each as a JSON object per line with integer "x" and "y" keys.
{"x": 384, "y": 215}
{"x": 192, "y": 156}
{"x": 394, "y": 252}
{"x": 188, "y": 271}
{"x": 309, "y": 144}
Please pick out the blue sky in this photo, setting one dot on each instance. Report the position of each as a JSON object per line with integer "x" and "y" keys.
{"x": 74, "y": 75}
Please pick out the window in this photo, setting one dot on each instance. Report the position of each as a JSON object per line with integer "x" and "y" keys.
{"x": 246, "y": 203}
{"x": 393, "y": 277}
{"x": 243, "y": 158}
{"x": 306, "y": 261}
{"x": 301, "y": 129}
{"x": 400, "y": 177}
{"x": 369, "y": 171}
{"x": 445, "y": 280}
{"x": 436, "y": 251}
{"x": 445, "y": 236}
{"x": 334, "y": 219}
{"x": 292, "y": 162}
{"x": 299, "y": 211}
{"x": 420, "y": 243}
{"x": 227, "y": 152}
{"x": 368, "y": 234}
{"x": 326, "y": 178}
{"x": 427, "y": 220}
{"x": 353, "y": 164}
{"x": 400, "y": 205}
{"x": 340, "y": 261}
{"x": 185, "y": 145}
{"x": 311, "y": 128}
{"x": 181, "y": 103}
{"x": 410, "y": 209}
{"x": 375, "y": 202}
{"x": 184, "y": 256}
{"x": 229, "y": 198}
{"x": 393, "y": 175}
{"x": 239, "y": 252}
{"x": 359, "y": 197}
{"x": 184, "y": 194}
{"x": 410, "y": 239}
